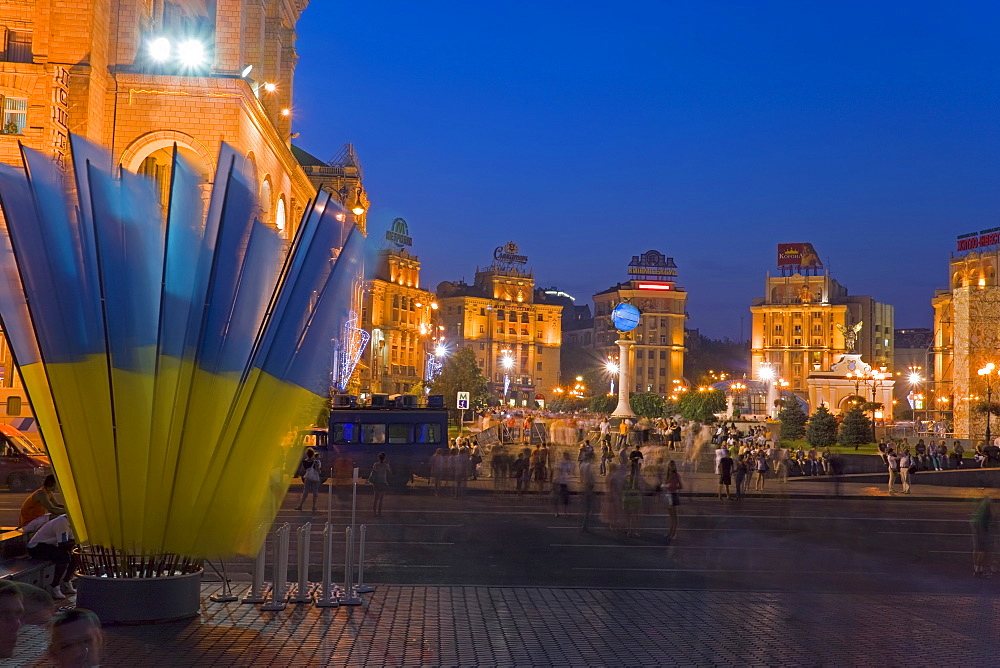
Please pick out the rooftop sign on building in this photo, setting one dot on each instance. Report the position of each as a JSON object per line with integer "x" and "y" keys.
{"x": 652, "y": 266}
{"x": 399, "y": 233}
{"x": 508, "y": 255}
{"x": 798, "y": 256}
{"x": 977, "y": 240}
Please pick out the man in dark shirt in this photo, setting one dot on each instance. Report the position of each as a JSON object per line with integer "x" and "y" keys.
{"x": 635, "y": 459}
{"x": 725, "y": 474}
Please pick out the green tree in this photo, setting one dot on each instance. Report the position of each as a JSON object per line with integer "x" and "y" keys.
{"x": 647, "y": 404}
{"x": 856, "y": 429}
{"x": 567, "y": 404}
{"x": 822, "y": 430}
{"x": 793, "y": 420}
{"x": 461, "y": 373}
{"x": 701, "y": 406}
{"x": 602, "y": 403}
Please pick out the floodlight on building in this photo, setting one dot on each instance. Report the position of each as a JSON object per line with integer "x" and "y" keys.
{"x": 286, "y": 112}
{"x": 766, "y": 371}
{"x": 507, "y": 362}
{"x": 441, "y": 350}
{"x": 159, "y": 49}
{"x": 191, "y": 53}
{"x": 270, "y": 87}
{"x": 915, "y": 378}
{"x": 246, "y": 71}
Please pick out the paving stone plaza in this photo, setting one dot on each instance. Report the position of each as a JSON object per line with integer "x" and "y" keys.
{"x": 514, "y": 626}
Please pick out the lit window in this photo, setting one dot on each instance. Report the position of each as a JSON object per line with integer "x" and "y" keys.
{"x": 279, "y": 216}
{"x": 15, "y": 115}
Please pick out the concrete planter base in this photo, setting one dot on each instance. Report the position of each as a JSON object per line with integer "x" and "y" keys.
{"x": 140, "y": 600}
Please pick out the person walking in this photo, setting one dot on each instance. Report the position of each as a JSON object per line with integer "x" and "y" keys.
{"x": 379, "y": 478}
{"x": 672, "y": 487}
{"x": 309, "y": 471}
{"x": 605, "y": 457}
{"x": 761, "y": 470}
{"x": 587, "y": 483}
{"x": 560, "y": 484}
{"x": 740, "y": 471}
{"x": 981, "y": 521}
{"x": 726, "y": 476}
{"x": 905, "y": 464}
{"x": 521, "y": 469}
{"x": 893, "y": 462}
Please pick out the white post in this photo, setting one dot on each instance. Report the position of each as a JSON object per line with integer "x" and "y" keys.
{"x": 256, "y": 592}
{"x": 327, "y": 599}
{"x": 348, "y": 596}
{"x": 279, "y": 586}
{"x": 362, "y": 588}
{"x": 304, "y": 593}
{"x": 624, "y": 408}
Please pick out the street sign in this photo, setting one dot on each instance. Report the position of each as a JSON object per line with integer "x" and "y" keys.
{"x": 463, "y": 400}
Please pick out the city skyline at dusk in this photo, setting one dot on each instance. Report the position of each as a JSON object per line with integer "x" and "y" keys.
{"x": 592, "y": 136}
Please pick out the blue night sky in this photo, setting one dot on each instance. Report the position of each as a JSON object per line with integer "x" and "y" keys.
{"x": 589, "y": 132}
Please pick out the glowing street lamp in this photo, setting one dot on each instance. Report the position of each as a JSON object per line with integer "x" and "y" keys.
{"x": 159, "y": 49}
{"x": 191, "y": 53}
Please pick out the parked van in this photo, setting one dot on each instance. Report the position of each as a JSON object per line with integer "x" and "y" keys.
{"x": 23, "y": 465}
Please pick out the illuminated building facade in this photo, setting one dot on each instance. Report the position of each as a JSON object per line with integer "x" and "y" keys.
{"x": 967, "y": 336}
{"x": 139, "y": 77}
{"x": 401, "y": 319}
{"x": 658, "y": 351}
{"x": 798, "y": 328}
{"x": 512, "y": 327}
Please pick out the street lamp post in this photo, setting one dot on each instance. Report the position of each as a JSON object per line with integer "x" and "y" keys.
{"x": 737, "y": 387}
{"x": 507, "y": 362}
{"x": 987, "y": 373}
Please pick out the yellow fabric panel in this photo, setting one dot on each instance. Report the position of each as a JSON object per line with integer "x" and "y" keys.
{"x": 248, "y": 475}
{"x": 80, "y": 391}
{"x": 33, "y": 376}
{"x": 132, "y": 411}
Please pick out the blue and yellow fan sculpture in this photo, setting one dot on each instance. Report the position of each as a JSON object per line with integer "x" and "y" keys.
{"x": 169, "y": 355}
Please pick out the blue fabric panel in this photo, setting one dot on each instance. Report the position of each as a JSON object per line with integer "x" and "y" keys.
{"x": 56, "y": 313}
{"x": 319, "y": 214}
{"x": 256, "y": 285}
{"x": 326, "y": 320}
{"x": 234, "y": 232}
{"x": 130, "y": 237}
{"x": 184, "y": 252}
{"x": 16, "y": 201}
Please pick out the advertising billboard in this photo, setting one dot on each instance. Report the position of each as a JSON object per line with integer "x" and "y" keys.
{"x": 798, "y": 256}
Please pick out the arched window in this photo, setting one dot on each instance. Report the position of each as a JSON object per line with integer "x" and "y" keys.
{"x": 265, "y": 200}
{"x": 279, "y": 217}
{"x": 158, "y": 163}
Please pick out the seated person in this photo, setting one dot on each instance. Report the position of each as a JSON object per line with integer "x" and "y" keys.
{"x": 41, "y": 501}
{"x": 54, "y": 542}
{"x": 77, "y": 638}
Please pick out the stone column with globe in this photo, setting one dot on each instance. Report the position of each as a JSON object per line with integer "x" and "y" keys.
{"x": 625, "y": 318}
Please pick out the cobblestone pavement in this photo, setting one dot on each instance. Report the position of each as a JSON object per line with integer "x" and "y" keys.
{"x": 507, "y": 626}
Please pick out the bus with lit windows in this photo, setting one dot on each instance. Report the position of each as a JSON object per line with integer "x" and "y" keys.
{"x": 407, "y": 434}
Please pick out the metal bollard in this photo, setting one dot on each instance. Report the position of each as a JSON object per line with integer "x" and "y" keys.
{"x": 304, "y": 592}
{"x": 279, "y": 586}
{"x": 328, "y": 597}
{"x": 256, "y": 592}
{"x": 348, "y": 596}
{"x": 362, "y": 588}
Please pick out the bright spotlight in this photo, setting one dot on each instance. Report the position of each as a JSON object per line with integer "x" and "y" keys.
{"x": 915, "y": 378}
{"x": 246, "y": 71}
{"x": 286, "y": 112}
{"x": 508, "y": 362}
{"x": 270, "y": 87}
{"x": 441, "y": 350}
{"x": 611, "y": 367}
{"x": 159, "y": 49}
{"x": 191, "y": 53}
{"x": 765, "y": 373}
